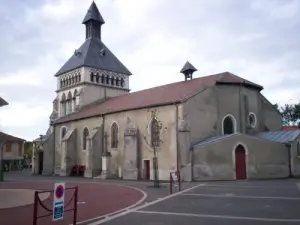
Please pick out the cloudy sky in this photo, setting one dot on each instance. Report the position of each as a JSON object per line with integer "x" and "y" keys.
{"x": 256, "y": 39}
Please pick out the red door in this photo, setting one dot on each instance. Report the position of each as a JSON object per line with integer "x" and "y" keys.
{"x": 240, "y": 163}
{"x": 147, "y": 169}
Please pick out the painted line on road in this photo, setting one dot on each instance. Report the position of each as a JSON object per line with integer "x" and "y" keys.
{"x": 219, "y": 216}
{"x": 120, "y": 210}
{"x": 241, "y": 196}
{"x": 145, "y": 205}
{"x": 247, "y": 186}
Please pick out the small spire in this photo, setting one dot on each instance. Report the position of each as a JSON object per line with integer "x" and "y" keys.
{"x": 188, "y": 70}
{"x": 93, "y": 14}
{"x": 93, "y": 22}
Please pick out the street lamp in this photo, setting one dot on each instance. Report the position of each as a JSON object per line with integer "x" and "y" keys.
{"x": 2, "y": 103}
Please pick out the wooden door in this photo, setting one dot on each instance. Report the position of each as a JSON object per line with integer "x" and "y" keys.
{"x": 147, "y": 169}
{"x": 240, "y": 163}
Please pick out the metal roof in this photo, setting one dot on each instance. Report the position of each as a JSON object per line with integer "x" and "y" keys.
{"x": 95, "y": 54}
{"x": 213, "y": 139}
{"x": 283, "y": 136}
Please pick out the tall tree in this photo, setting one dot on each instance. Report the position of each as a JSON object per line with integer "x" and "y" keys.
{"x": 290, "y": 113}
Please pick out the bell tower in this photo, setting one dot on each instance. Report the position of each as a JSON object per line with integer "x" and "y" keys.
{"x": 188, "y": 70}
{"x": 93, "y": 73}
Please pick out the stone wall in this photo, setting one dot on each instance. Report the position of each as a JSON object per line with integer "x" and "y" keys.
{"x": 264, "y": 159}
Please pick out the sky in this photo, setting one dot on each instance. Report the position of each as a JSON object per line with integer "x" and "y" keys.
{"x": 258, "y": 40}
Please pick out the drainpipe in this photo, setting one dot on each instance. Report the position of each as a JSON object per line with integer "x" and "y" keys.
{"x": 54, "y": 151}
{"x": 289, "y": 147}
{"x": 240, "y": 110}
{"x": 177, "y": 143}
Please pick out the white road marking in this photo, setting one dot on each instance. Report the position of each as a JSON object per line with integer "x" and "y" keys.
{"x": 143, "y": 206}
{"x": 219, "y": 216}
{"x": 247, "y": 186}
{"x": 118, "y": 211}
{"x": 241, "y": 196}
{"x": 80, "y": 203}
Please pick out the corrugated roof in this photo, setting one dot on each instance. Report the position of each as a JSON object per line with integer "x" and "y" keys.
{"x": 213, "y": 139}
{"x": 7, "y": 137}
{"x": 161, "y": 95}
{"x": 283, "y": 136}
{"x": 89, "y": 55}
{"x": 290, "y": 127}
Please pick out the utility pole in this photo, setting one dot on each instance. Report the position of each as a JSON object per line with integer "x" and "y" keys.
{"x": 2, "y": 103}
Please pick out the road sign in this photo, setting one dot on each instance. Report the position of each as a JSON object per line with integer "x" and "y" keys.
{"x": 174, "y": 178}
{"x": 58, "y": 201}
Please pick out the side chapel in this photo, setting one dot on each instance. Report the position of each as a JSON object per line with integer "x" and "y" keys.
{"x": 216, "y": 127}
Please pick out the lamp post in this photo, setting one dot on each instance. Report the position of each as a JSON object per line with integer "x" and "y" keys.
{"x": 2, "y": 103}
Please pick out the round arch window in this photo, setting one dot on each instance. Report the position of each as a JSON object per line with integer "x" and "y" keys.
{"x": 252, "y": 120}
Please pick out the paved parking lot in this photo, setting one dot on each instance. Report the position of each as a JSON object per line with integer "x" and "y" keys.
{"x": 271, "y": 202}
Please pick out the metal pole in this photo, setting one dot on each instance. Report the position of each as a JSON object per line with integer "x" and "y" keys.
{"x": 1, "y": 163}
{"x": 35, "y": 208}
{"x": 75, "y": 206}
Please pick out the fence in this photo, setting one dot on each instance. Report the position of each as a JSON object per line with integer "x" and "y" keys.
{"x": 38, "y": 202}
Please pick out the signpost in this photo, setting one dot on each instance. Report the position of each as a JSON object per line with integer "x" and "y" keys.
{"x": 175, "y": 181}
{"x": 58, "y": 202}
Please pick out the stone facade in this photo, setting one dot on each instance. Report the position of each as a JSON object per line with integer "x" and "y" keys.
{"x": 113, "y": 141}
{"x": 183, "y": 124}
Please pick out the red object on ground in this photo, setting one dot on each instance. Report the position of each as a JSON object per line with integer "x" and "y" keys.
{"x": 94, "y": 200}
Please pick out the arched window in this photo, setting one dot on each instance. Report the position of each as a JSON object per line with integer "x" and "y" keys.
{"x": 298, "y": 149}
{"x": 228, "y": 125}
{"x": 63, "y": 105}
{"x": 114, "y": 135}
{"x": 84, "y": 138}
{"x": 63, "y": 132}
{"x": 69, "y": 103}
{"x": 122, "y": 82}
{"x": 74, "y": 99}
{"x": 92, "y": 77}
{"x": 155, "y": 133}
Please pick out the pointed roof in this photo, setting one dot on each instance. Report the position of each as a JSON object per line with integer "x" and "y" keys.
{"x": 3, "y": 102}
{"x": 188, "y": 67}
{"x": 95, "y": 54}
{"x": 157, "y": 96}
{"x": 93, "y": 14}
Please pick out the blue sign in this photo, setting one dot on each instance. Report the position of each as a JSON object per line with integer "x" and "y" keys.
{"x": 58, "y": 201}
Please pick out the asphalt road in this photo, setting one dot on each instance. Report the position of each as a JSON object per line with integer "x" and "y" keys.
{"x": 270, "y": 202}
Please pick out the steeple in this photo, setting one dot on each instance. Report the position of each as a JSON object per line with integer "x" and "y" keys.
{"x": 93, "y": 22}
{"x": 188, "y": 70}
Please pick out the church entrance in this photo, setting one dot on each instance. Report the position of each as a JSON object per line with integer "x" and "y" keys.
{"x": 41, "y": 161}
{"x": 240, "y": 163}
{"x": 147, "y": 169}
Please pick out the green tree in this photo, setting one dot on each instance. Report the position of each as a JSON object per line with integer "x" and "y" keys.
{"x": 28, "y": 149}
{"x": 290, "y": 113}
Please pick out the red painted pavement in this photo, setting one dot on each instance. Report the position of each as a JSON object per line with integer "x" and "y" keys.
{"x": 99, "y": 199}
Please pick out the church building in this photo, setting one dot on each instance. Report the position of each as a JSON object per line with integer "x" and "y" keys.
{"x": 215, "y": 127}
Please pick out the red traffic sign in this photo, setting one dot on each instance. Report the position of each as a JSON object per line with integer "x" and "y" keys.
{"x": 59, "y": 192}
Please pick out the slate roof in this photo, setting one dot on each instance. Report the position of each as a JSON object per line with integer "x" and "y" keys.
{"x": 93, "y": 14}
{"x": 3, "y": 102}
{"x": 6, "y": 137}
{"x": 188, "y": 67}
{"x": 283, "y": 136}
{"x": 90, "y": 56}
{"x": 161, "y": 95}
